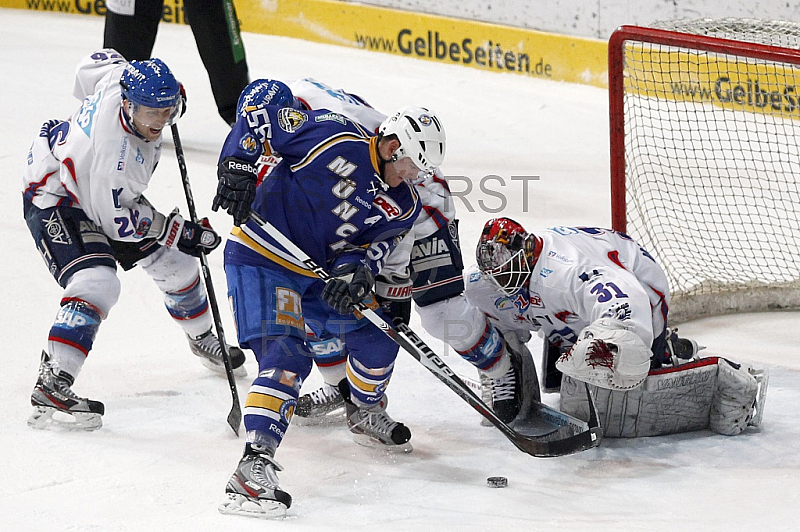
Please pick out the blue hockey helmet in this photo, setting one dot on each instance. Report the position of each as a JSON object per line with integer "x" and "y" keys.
{"x": 268, "y": 92}
{"x": 150, "y": 83}
{"x": 151, "y": 97}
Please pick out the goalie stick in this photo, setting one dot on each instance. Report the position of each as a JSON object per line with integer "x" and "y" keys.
{"x": 558, "y": 443}
{"x": 235, "y": 415}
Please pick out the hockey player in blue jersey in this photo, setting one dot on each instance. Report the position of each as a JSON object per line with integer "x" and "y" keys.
{"x": 426, "y": 265}
{"x": 341, "y": 194}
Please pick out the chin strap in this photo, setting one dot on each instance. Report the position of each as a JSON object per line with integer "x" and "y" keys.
{"x": 127, "y": 121}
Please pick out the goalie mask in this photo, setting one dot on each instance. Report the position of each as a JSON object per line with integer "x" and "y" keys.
{"x": 152, "y": 96}
{"x": 504, "y": 254}
{"x": 421, "y": 137}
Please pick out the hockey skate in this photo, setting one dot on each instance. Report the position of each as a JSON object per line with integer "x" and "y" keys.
{"x": 253, "y": 489}
{"x": 506, "y": 391}
{"x": 372, "y": 427}
{"x": 55, "y": 405}
{"x": 323, "y": 405}
{"x": 208, "y": 348}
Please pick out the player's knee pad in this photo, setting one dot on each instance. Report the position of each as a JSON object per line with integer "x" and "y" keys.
{"x": 287, "y": 352}
{"x": 607, "y": 355}
{"x": 370, "y": 346}
{"x": 172, "y": 270}
{"x": 453, "y": 321}
{"x": 487, "y": 354}
{"x": 99, "y": 286}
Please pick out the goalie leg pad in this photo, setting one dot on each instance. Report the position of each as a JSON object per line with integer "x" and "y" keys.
{"x": 708, "y": 393}
{"x": 670, "y": 401}
{"x": 735, "y": 399}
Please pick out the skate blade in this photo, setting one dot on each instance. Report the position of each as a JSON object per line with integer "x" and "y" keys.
{"x": 329, "y": 418}
{"x": 47, "y": 418}
{"x": 369, "y": 441}
{"x": 262, "y": 509}
{"x": 241, "y": 371}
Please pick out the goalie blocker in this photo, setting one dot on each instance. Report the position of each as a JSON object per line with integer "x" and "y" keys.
{"x": 712, "y": 393}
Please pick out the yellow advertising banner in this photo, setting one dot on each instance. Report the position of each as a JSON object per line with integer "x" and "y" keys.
{"x": 730, "y": 82}
{"x": 468, "y": 43}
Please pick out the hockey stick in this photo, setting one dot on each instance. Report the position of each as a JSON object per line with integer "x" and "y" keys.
{"x": 235, "y": 415}
{"x": 549, "y": 445}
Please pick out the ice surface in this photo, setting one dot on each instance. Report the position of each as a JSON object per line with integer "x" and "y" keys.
{"x": 165, "y": 453}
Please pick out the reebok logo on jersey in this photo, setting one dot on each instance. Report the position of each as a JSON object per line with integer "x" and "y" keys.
{"x": 236, "y": 165}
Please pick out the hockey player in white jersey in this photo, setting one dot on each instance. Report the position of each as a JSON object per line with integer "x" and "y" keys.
{"x": 603, "y": 301}
{"x": 84, "y": 205}
{"x": 427, "y": 264}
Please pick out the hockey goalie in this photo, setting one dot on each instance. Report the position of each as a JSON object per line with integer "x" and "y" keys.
{"x": 601, "y": 302}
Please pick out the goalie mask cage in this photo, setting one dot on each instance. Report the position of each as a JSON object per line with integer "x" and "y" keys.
{"x": 705, "y": 159}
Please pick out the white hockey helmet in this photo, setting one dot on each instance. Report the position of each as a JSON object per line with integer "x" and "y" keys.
{"x": 421, "y": 136}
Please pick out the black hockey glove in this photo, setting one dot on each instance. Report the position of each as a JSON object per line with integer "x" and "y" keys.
{"x": 236, "y": 188}
{"x": 394, "y": 297}
{"x": 352, "y": 283}
{"x": 189, "y": 237}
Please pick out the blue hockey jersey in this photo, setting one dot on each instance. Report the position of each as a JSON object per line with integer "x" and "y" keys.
{"x": 325, "y": 194}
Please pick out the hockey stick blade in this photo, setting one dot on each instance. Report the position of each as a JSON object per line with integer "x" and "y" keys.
{"x": 556, "y": 443}
{"x": 411, "y": 343}
{"x": 235, "y": 415}
{"x": 540, "y": 419}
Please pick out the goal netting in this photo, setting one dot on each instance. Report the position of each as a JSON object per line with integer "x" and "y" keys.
{"x": 705, "y": 159}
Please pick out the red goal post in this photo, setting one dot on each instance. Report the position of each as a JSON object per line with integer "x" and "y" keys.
{"x": 705, "y": 159}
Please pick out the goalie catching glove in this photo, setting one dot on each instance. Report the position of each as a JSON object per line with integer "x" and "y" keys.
{"x": 236, "y": 188}
{"x": 189, "y": 237}
{"x": 351, "y": 284}
{"x": 609, "y": 355}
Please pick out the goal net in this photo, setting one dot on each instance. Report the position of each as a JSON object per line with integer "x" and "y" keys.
{"x": 705, "y": 159}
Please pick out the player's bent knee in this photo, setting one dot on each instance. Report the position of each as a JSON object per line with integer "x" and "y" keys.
{"x": 172, "y": 270}
{"x": 98, "y": 286}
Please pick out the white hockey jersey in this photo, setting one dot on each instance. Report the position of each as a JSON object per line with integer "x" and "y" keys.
{"x": 94, "y": 161}
{"x": 582, "y": 274}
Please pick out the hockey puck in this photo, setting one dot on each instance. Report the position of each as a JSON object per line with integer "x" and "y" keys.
{"x": 497, "y": 482}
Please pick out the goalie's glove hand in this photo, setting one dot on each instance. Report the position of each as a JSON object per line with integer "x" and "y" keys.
{"x": 189, "y": 237}
{"x": 236, "y": 188}
{"x": 351, "y": 284}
